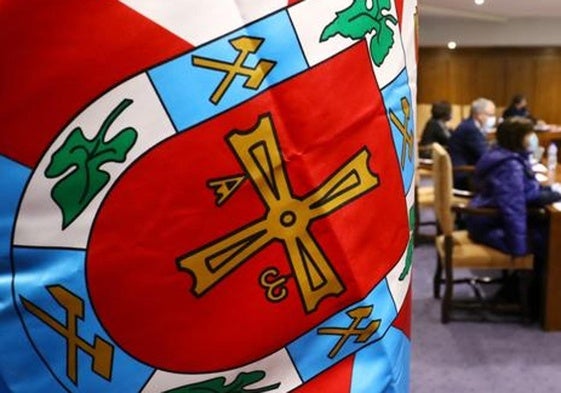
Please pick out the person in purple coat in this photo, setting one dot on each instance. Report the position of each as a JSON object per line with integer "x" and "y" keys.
{"x": 504, "y": 179}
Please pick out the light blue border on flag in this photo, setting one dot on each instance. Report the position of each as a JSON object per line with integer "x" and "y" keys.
{"x": 392, "y": 94}
{"x": 37, "y": 268}
{"x": 185, "y": 89}
{"x": 16, "y": 353}
{"x": 383, "y": 367}
{"x": 309, "y": 353}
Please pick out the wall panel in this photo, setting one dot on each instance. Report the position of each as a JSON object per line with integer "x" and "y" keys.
{"x": 497, "y": 73}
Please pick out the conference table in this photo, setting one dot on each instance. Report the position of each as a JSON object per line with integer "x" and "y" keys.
{"x": 551, "y": 296}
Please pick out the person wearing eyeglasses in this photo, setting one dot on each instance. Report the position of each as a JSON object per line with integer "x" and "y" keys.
{"x": 468, "y": 142}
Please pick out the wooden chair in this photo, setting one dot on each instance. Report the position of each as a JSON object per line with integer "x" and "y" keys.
{"x": 423, "y": 114}
{"x": 466, "y": 111}
{"x": 455, "y": 249}
{"x": 424, "y": 195}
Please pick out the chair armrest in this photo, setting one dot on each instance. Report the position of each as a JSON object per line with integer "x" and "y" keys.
{"x": 464, "y": 168}
{"x": 462, "y": 193}
{"x": 537, "y": 212}
{"x": 475, "y": 211}
{"x": 425, "y": 163}
{"x": 519, "y": 257}
{"x": 523, "y": 262}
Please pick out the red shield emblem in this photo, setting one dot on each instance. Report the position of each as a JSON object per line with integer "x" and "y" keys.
{"x": 308, "y": 219}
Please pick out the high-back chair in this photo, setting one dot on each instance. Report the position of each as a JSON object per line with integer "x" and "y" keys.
{"x": 457, "y": 116}
{"x": 455, "y": 249}
{"x": 424, "y": 196}
{"x": 423, "y": 114}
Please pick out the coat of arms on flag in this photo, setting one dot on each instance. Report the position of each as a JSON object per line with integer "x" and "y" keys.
{"x": 221, "y": 202}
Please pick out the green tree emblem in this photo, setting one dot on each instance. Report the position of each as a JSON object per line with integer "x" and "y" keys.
{"x": 410, "y": 245}
{"x": 218, "y": 385}
{"x": 362, "y": 18}
{"x": 81, "y": 159}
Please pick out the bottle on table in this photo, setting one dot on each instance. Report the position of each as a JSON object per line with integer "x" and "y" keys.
{"x": 551, "y": 161}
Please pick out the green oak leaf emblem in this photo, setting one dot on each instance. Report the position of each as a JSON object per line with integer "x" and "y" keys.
{"x": 218, "y": 385}
{"x": 80, "y": 159}
{"x": 361, "y": 18}
{"x": 410, "y": 245}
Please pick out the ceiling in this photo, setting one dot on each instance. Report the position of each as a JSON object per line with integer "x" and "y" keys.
{"x": 491, "y": 9}
{"x": 496, "y": 23}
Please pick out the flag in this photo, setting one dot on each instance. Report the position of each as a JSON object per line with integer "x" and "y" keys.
{"x": 207, "y": 196}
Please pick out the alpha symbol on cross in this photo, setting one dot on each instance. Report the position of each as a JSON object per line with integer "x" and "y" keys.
{"x": 101, "y": 351}
{"x": 287, "y": 220}
{"x": 254, "y": 75}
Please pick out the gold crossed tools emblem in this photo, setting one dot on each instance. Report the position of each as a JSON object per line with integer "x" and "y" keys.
{"x": 362, "y": 334}
{"x": 254, "y": 75}
{"x": 407, "y": 144}
{"x": 287, "y": 220}
{"x": 101, "y": 351}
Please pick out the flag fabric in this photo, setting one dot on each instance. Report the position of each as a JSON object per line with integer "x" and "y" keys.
{"x": 206, "y": 196}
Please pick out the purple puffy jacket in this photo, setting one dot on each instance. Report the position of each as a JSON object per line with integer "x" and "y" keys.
{"x": 504, "y": 179}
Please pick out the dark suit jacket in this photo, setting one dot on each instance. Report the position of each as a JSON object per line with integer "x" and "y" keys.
{"x": 434, "y": 131}
{"x": 466, "y": 146}
{"x": 512, "y": 111}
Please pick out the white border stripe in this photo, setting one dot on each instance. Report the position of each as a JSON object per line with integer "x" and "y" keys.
{"x": 278, "y": 368}
{"x": 309, "y": 19}
{"x": 198, "y": 22}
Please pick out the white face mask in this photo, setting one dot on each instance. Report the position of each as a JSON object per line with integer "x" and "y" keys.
{"x": 490, "y": 122}
{"x": 533, "y": 143}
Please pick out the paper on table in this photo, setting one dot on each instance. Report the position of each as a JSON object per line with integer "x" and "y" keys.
{"x": 542, "y": 127}
{"x": 539, "y": 167}
{"x": 541, "y": 177}
{"x": 557, "y": 206}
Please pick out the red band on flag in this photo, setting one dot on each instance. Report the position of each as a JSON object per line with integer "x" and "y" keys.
{"x": 63, "y": 54}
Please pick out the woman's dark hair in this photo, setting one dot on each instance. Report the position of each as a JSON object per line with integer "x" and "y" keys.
{"x": 517, "y": 99}
{"x": 511, "y": 132}
{"x": 441, "y": 110}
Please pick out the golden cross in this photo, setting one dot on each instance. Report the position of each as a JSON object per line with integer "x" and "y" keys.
{"x": 254, "y": 75}
{"x": 101, "y": 351}
{"x": 288, "y": 218}
{"x": 403, "y": 129}
{"x": 362, "y": 335}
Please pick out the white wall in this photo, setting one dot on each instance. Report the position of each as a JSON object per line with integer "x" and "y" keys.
{"x": 437, "y": 31}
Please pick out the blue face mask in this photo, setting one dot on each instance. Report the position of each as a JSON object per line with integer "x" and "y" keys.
{"x": 533, "y": 143}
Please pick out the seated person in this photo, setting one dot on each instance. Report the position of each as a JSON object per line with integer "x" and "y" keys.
{"x": 436, "y": 129}
{"x": 468, "y": 143}
{"x": 518, "y": 107}
{"x": 504, "y": 179}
